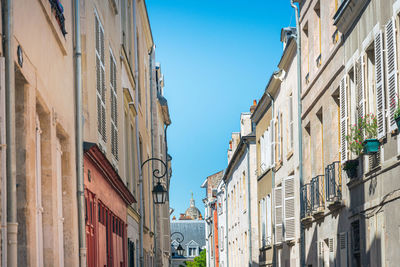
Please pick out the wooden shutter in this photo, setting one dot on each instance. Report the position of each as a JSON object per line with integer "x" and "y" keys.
{"x": 114, "y": 107}
{"x": 321, "y": 253}
{"x": 343, "y": 119}
{"x": 278, "y": 215}
{"x": 272, "y": 143}
{"x": 100, "y": 80}
{"x": 360, "y": 88}
{"x": 343, "y": 249}
{"x": 267, "y": 147}
{"x": 379, "y": 83}
{"x": 289, "y": 205}
{"x": 262, "y": 153}
{"x": 391, "y": 71}
{"x": 331, "y": 244}
{"x": 263, "y": 225}
{"x": 269, "y": 219}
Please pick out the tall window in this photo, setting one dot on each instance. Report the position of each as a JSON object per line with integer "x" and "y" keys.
{"x": 306, "y": 44}
{"x": 317, "y": 10}
{"x": 114, "y": 107}
{"x": 100, "y": 80}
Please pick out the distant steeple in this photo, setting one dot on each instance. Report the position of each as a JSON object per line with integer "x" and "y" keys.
{"x": 192, "y": 204}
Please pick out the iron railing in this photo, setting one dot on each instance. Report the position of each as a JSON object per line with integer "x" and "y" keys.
{"x": 317, "y": 192}
{"x": 306, "y": 205}
{"x": 333, "y": 182}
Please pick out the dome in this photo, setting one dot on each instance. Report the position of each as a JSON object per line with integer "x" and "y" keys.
{"x": 193, "y": 212}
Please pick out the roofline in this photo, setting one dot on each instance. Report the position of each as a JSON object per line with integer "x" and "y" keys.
{"x": 237, "y": 154}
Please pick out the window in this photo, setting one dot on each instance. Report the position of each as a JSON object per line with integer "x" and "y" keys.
{"x": 317, "y": 9}
{"x": 100, "y": 81}
{"x": 356, "y": 243}
{"x": 278, "y": 214}
{"x": 139, "y": 87}
{"x": 306, "y": 52}
{"x": 114, "y": 107}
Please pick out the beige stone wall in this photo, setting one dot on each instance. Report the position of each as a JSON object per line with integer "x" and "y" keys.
{"x": 44, "y": 86}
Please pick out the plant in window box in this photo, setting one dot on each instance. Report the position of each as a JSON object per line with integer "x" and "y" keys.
{"x": 369, "y": 126}
{"x": 354, "y": 140}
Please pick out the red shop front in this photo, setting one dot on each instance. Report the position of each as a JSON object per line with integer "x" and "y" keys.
{"x": 106, "y": 199}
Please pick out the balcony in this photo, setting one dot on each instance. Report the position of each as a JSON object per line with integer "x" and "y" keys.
{"x": 306, "y": 207}
{"x": 333, "y": 185}
{"x": 317, "y": 196}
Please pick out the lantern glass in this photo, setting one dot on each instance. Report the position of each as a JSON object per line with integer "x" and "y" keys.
{"x": 159, "y": 194}
{"x": 180, "y": 250}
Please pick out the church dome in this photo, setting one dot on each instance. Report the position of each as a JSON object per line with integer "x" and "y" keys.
{"x": 193, "y": 212}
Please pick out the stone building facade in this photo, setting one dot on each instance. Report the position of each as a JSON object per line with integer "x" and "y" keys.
{"x": 121, "y": 86}
{"x": 211, "y": 216}
{"x": 241, "y": 203}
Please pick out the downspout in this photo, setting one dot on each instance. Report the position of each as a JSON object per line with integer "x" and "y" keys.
{"x": 3, "y": 148}
{"x": 3, "y": 164}
{"x": 226, "y": 225}
{"x": 79, "y": 138}
{"x": 248, "y": 202}
{"x": 151, "y": 62}
{"x": 12, "y": 224}
{"x": 137, "y": 134}
{"x": 272, "y": 173}
{"x": 300, "y": 136}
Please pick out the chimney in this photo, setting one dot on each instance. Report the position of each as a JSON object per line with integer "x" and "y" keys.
{"x": 174, "y": 218}
{"x": 230, "y": 144}
{"x": 253, "y": 107}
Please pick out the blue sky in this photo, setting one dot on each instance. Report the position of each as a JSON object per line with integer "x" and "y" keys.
{"x": 216, "y": 56}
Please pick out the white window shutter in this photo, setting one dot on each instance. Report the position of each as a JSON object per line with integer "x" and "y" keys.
{"x": 278, "y": 215}
{"x": 100, "y": 80}
{"x": 343, "y": 249}
{"x": 269, "y": 219}
{"x": 332, "y": 249}
{"x": 360, "y": 87}
{"x": 391, "y": 71}
{"x": 262, "y": 153}
{"x": 279, "y": 142}
{"x": 379, "y": 83}
{"x": 263, "y": 225}
{"x": 343, "y": 119}
{"x": 320, "y": 253}
{"x": 289, "y": 207}
{"x": 266, "y": 149}
{"x": 272, "y": 136}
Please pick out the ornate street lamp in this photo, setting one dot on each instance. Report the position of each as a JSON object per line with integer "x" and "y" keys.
{"x": 179, "y": 249}
{"x": 159, "y": 191}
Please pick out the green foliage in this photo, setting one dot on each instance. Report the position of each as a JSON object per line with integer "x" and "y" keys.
{"x": 366, "y": 128}
{"x": 392, "y": 104}
{"x": 199, "y": 261}
{"x": 397, "y": 112}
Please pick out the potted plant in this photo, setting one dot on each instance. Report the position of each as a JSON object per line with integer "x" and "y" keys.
{"x": 351, "y": 168}
{"x": 369, "y": 127}
{"x": 354, "y": 140}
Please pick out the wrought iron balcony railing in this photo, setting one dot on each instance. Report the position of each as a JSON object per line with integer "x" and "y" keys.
{"x": 306, "y": 205}
{"x": 317, "y": 193}
{"x": 333, "y": 182}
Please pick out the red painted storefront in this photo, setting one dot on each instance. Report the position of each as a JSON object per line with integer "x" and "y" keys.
{"x": 216, "y": 247}
{"x": 107, "y": 199}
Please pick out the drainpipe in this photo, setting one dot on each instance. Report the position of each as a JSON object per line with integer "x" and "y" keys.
{"x": 226, "y": 225}
{"x": 272, "y": 171}
{"x": 248, "y": 201}
{"x": 137, "y": 134}
{"x": 300, "y": 136}
{"x": 79, "y": 138}
{"x": 151, "y": 63}
{"x": 3, "y": 174}
{"x": 12, "y": 225}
